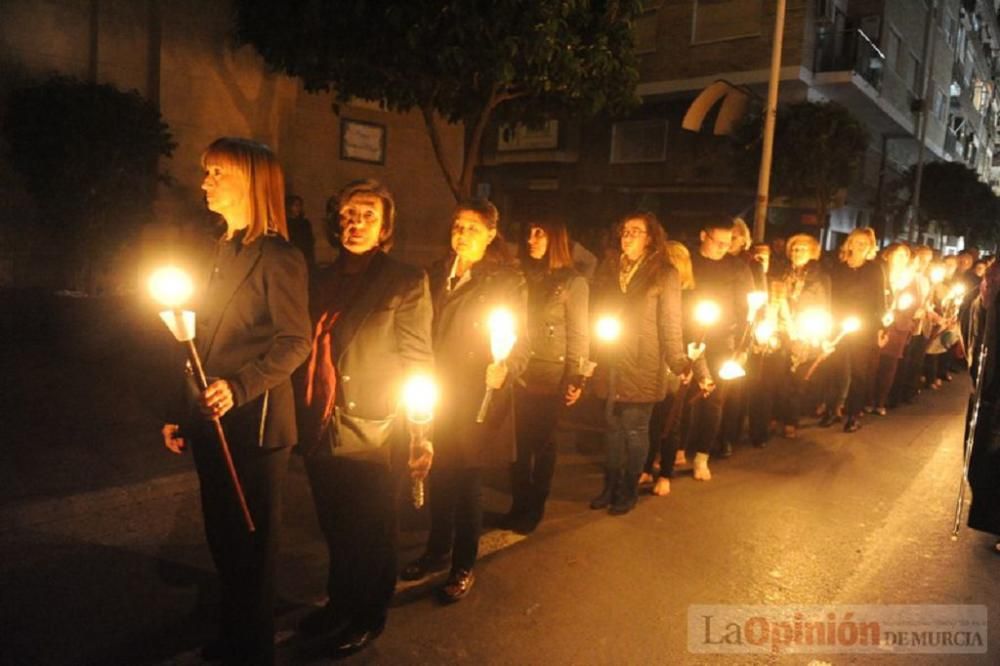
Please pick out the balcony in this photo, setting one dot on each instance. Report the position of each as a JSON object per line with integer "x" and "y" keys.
{"x": 849, "y": 68}
{"x": 849, "y": 51}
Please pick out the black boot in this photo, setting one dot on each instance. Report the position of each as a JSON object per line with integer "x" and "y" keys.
{"x": 626, "y": 497}
{"x": 603, "y": 500}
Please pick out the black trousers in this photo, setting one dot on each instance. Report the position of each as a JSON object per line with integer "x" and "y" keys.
{"x": 706, "y": 419}
{"x": 734, "y": 409}
{"x": 884, "y": 377}
{"x": 667, "y": 445}
{"x": 793, "y": 393}
{"x": 765, "y": 374}
{"x": 245, "y": 561}
{"x": 861, "y": 357}
{"x": 531, "y": 474}
{"x": 355, "y": 505}
{"x": 456, "y": 502}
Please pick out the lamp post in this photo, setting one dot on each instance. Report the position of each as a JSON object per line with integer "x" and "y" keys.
{"x": 172, "y": 288}
{"x": 503, "y": 335}
{"x": 420, "y": 395}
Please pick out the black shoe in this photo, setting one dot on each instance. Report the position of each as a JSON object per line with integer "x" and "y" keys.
{"x": 727, "y": 450}
{"x": 760, "y": 445}
{"x": 424, "y": 566}
{"x": 626, "y": 497}
{"x": 852, "y": 425}
{"x": 458, "y": 586}
{"x": 356, "y": 639}
{"x": 603, "y": 500}
{"x": 828, "y": 420}
{"x": 322, "y": 621}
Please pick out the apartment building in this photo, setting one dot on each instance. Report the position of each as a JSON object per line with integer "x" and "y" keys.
{"x": 872, "y": 56}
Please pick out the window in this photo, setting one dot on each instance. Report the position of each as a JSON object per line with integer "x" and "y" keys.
{"x": 913, "y": 73}
{"x": 637, "y": 141}
{"x": 718, "y": 20}
{"x": 892, "y": 41}
{"x": 940, "y": 105}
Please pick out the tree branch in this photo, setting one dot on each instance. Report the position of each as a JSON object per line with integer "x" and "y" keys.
{"x": 435, "y": 137}
{"x": 476, "y": 141}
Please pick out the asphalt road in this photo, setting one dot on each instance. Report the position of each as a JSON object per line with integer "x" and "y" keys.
{"x": 104, "y": 560}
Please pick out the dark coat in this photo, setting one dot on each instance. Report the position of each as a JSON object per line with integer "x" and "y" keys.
{"x": 860, "y": 292}
{"x": 253, "y": 331}
{"x": 807, "y": 288}
{"x": 651, "y": 343}
{"x": 558, "y": 329}
{"x": 380, "y": 339}
{"x": 462, "y": 352}
{"x": 984, "y": 463}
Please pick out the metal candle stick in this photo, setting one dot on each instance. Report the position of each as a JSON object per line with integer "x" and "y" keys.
{"x": 171, "y": 287}
{"x": 419, "y": 398}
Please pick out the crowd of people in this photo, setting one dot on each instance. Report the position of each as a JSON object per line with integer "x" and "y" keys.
{"x": 689, "y": 349}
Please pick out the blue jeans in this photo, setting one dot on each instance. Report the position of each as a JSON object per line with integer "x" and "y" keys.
{"x": 627, "y": 437}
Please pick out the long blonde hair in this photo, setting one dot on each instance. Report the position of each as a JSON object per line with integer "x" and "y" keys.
{"x": 679, "y": 257}
{"x": 265, "y": 182}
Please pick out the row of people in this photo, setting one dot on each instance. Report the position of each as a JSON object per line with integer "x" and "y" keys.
{"x": 368, "y": 322}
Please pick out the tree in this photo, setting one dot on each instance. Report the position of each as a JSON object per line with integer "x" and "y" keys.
{"x": 468, "y": 62}
{"x": 818, "y": 150}
{"x": 952, "y": 193}
{"x": 88, "y": 156}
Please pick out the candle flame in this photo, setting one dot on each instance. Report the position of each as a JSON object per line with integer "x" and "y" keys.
{"x": 170, "y": 286}
{"x": 707, "y": 313}
{"x": 420, "y": 395}
{"x": 503, "y": 333}
{"x": 608, "y": 328}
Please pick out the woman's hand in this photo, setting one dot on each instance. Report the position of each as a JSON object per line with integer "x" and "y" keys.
{"x": 216, "y": 400}
{"x": 573, "y": 394}
{"x": 171, "y": 440}
{"x": 496, "y": 375}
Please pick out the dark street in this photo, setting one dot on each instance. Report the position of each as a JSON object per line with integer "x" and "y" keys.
{"x": 105, "y": 562}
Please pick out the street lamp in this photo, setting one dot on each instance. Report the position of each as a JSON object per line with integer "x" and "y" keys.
{"x": 172, "y": 287}
{"x": 503, "y": 335}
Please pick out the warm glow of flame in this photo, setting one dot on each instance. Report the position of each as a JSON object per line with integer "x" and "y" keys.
{"x": 608, "y": 328}
{"x": 814, "y": 324}
{"x": 763, "y": 331}
{"x": 937, "y": 274}
{"x": 707, "y": 313}
{"x": 905, "y": 301}
{"x": 755, "y": 301}
{"x": 503, "y": 333}
{"x": 170, "y": 286}
{"x": 850, "y": 325}
{"x": 731, "y": 370}
{"x": 888, "y": 318}
{"x": 958, "y": 291}
{"x": 420, "y": 395}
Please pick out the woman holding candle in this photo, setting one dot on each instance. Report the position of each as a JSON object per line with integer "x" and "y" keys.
{"x": 558, "y": 331}
{"x": 477, "y": 282}
{"x": 371, "y": 332}
{"x": 252, "y": 332}
{"x": 642, "y": 290}
{"x": 806, "y": 290}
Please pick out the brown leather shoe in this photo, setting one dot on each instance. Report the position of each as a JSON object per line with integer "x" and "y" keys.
{"x": 459, "y": 584}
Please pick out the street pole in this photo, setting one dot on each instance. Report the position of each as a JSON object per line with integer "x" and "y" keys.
{"x": 929, "y": 42}
{"x": 770, "y": 116}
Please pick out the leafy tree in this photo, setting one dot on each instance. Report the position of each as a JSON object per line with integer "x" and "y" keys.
{"x": 952, "y": 193}
{"x": 818, "y": 149}
{"x": 88, "y": 156}
{"x": 468, "y": 61}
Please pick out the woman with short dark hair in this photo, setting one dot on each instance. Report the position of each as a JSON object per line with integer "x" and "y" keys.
{"x": 372, "y": 331}
{"x": 476, "y": 280}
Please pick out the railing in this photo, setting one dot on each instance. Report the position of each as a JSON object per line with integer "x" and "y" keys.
{"x": 849, "y": 50}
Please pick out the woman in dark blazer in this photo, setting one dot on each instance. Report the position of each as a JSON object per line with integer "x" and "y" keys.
{"x": 558, "y": 331}
{"x": 252, "y": 332}
{"x": 472, "y": 283}
{"x": 372, "y": 331}
{"x": 642, "y": 290}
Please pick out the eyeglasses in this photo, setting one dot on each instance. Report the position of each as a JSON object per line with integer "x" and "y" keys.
{"x": 633, "y": 233}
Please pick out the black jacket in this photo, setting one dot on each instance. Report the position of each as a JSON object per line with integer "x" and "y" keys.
{"x": 558, "y": 328}
{"x": 253, "y": 331}
{"x": 984, "y": 462}
{"x": 650, "y": 340}
{"x": 381, "y": 337}
{"x": 462, "y": 352}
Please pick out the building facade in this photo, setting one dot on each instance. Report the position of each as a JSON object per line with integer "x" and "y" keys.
{"x": 180, "y": 54}
{"x": 893, "y": 63}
